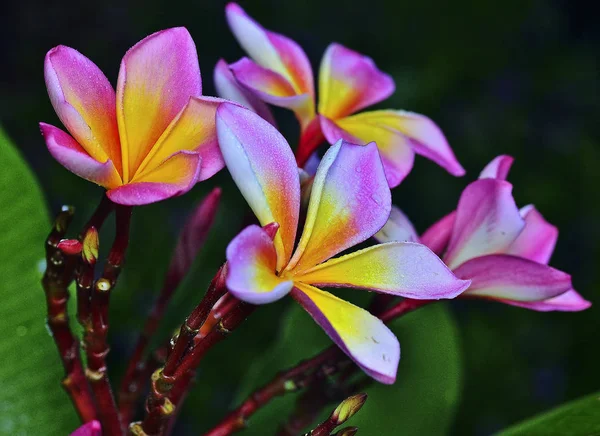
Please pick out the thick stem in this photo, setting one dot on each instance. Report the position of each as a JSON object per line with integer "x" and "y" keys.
{"x": 105, "y": 207}
{"x": 302, "y": 375}
{"x": 96, "y": 344}
{"x": 59, "y": 274}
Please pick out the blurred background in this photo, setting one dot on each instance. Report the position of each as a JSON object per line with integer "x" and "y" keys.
{"x": 517, "y": 77}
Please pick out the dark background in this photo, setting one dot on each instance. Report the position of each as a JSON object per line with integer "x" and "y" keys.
{"x": 512, "y": 77}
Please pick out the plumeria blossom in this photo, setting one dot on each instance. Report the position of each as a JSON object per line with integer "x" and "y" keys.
{"x": 280, "y": 74}
{"x": 350, "y": 200}
{"x": 92, "y": 428}
{"x": 152, "y": 139}
{"x": 503, "y": 250}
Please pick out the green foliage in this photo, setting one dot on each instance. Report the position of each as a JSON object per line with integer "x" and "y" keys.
{"x": 31, "y": 398}
{"x": 427, "y": 385}
{"x": 576, "y": 418}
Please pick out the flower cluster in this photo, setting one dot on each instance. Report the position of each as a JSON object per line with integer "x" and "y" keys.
{"x": 156, "y": 136}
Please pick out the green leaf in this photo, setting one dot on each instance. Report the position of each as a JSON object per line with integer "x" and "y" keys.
{"x": 576, "y": 418}
{"x": 31, "y": 398}
{"x": 421, "y": 402}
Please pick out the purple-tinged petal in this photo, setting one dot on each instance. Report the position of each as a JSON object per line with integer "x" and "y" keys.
{"x": 438, "y": 235}
{"x": 84, "y": 100}
{"x": 487, "y": 221}
{"x": 271, "y": 50}
{"x": 497, "y": 168}
{"x": 273, "y": 88}
{"x": 501, "y": 276}
{"x": 158, "y": 76}
{"x": 537, "y": 240}
{"x": 570, "y": 301}
{"x": 252, "y": 261}
{"x": 363, "y": 337}
{"x": 397, "y": 228}
{"x": 350, "y": 81}
{"x": 74, "y": 158}
{"x": 91, "y": 428}
{"x": 404, "y": 269}
{"x": 350, "y": 201}
{"x": 193, "y": 129}
{"x": 263, "y": 167}
{"x": 175, "y": 176}
{"x": 396, "y": 154}
{"x": 229, "y": 88}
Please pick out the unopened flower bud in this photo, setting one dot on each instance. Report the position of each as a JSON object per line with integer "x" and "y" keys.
{"x": 91, "y": 243}
{"x": 348, "y": 408}
{"x": 70, "y": 246}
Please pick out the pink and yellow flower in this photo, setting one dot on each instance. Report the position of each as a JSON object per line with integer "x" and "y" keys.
{"x": 503, "y": 250}
{"x": 152, "y": 139}
{"x": 280, "y": 74}
{"x": 350, "y": 200}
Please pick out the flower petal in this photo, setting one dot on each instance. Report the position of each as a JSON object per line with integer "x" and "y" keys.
{"x": 350, "y": 201}
{"x": 394, "y": 129}
{"x": 397, "y": 228}
{"x": 84, "y": 100}
{"x": 175, "y": 176}
{"x": 252, "y": 261}
{"x": 158, "y": 76}
{"x": 497, "y": 168}
{"x": 570, "y": 301}
{"x": 487, "y": 221}
{"x": 91, "y": 428}
{"x": 396, "y": 154}
{"x": 264, "y": 169}
{"x": 271, "y": 50}
{"x": 229, "y": 88}
{"x": 273, "y": 88}
{"x": 501, "y": 276}
{"x": 438, "y": 235}
{"x": 363, "y": 337}
{"x": 405, "y": 269}
{"x": 73, "y": 157}
{"x": 193, "y": 129}
{"x": 350, "y": 81}
{"x": 537, "y": 240}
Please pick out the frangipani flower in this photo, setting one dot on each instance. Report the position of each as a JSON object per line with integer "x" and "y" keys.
{"x": 504, "y": 251}
{"x": 280, "y": 74}
{"x": 91, "y": 428}
{"x": 152, "y": 139}
{"x": 350, "y": 200}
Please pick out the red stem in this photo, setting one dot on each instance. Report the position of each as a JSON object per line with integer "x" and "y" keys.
{"x": 59, "y": 274}
{"x": 96, "y": 343}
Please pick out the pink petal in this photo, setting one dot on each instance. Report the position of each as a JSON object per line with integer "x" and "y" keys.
{"x": 273, "y": 88}
{"x": 229, "y": 88}
{"x": 264, "y": 169}
{"x": 350, "y": 201}
{"x": 404, "y": 269}
{"x": 84, "y": 100}
{"x": 193, "y": 129}
{"x": 501, "y": 276}
{"x": 271, "y": 50}
{"x": 570, "y": 301}
{"x": 397, "y": 228}
{"x": 92, "y": 428}
{"x": 537, "y": 240}
{"x": 487, "y": 221}
{"x": 396, "y": 154}
{"x": 497, "y": 168}
{"x": 349, "y": 81}
{"x": 252, "y": 261}
{"x": 438, "y": 235}
{"x": 363, "y": 337}
{"x": 74, "y": 158}
{"x": 156, "y": 80}
{"x": 175, "y": 176}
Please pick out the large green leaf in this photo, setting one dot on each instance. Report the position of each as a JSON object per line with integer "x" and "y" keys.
{"x": 31, "y": 398}
{"x": 576, "y": 418}
{"x": 424, "y": 398}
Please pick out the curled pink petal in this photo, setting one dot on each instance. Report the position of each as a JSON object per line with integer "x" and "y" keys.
{"x": 397, "y": 228}
{"x": 505, "y": 277}
{"x": 570, "y": 301}
{"x": 537, "y": 240}
{"x": 497, "y": 168}
{"x": 91, "y": 428}
{"x": 438, "y": 235}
